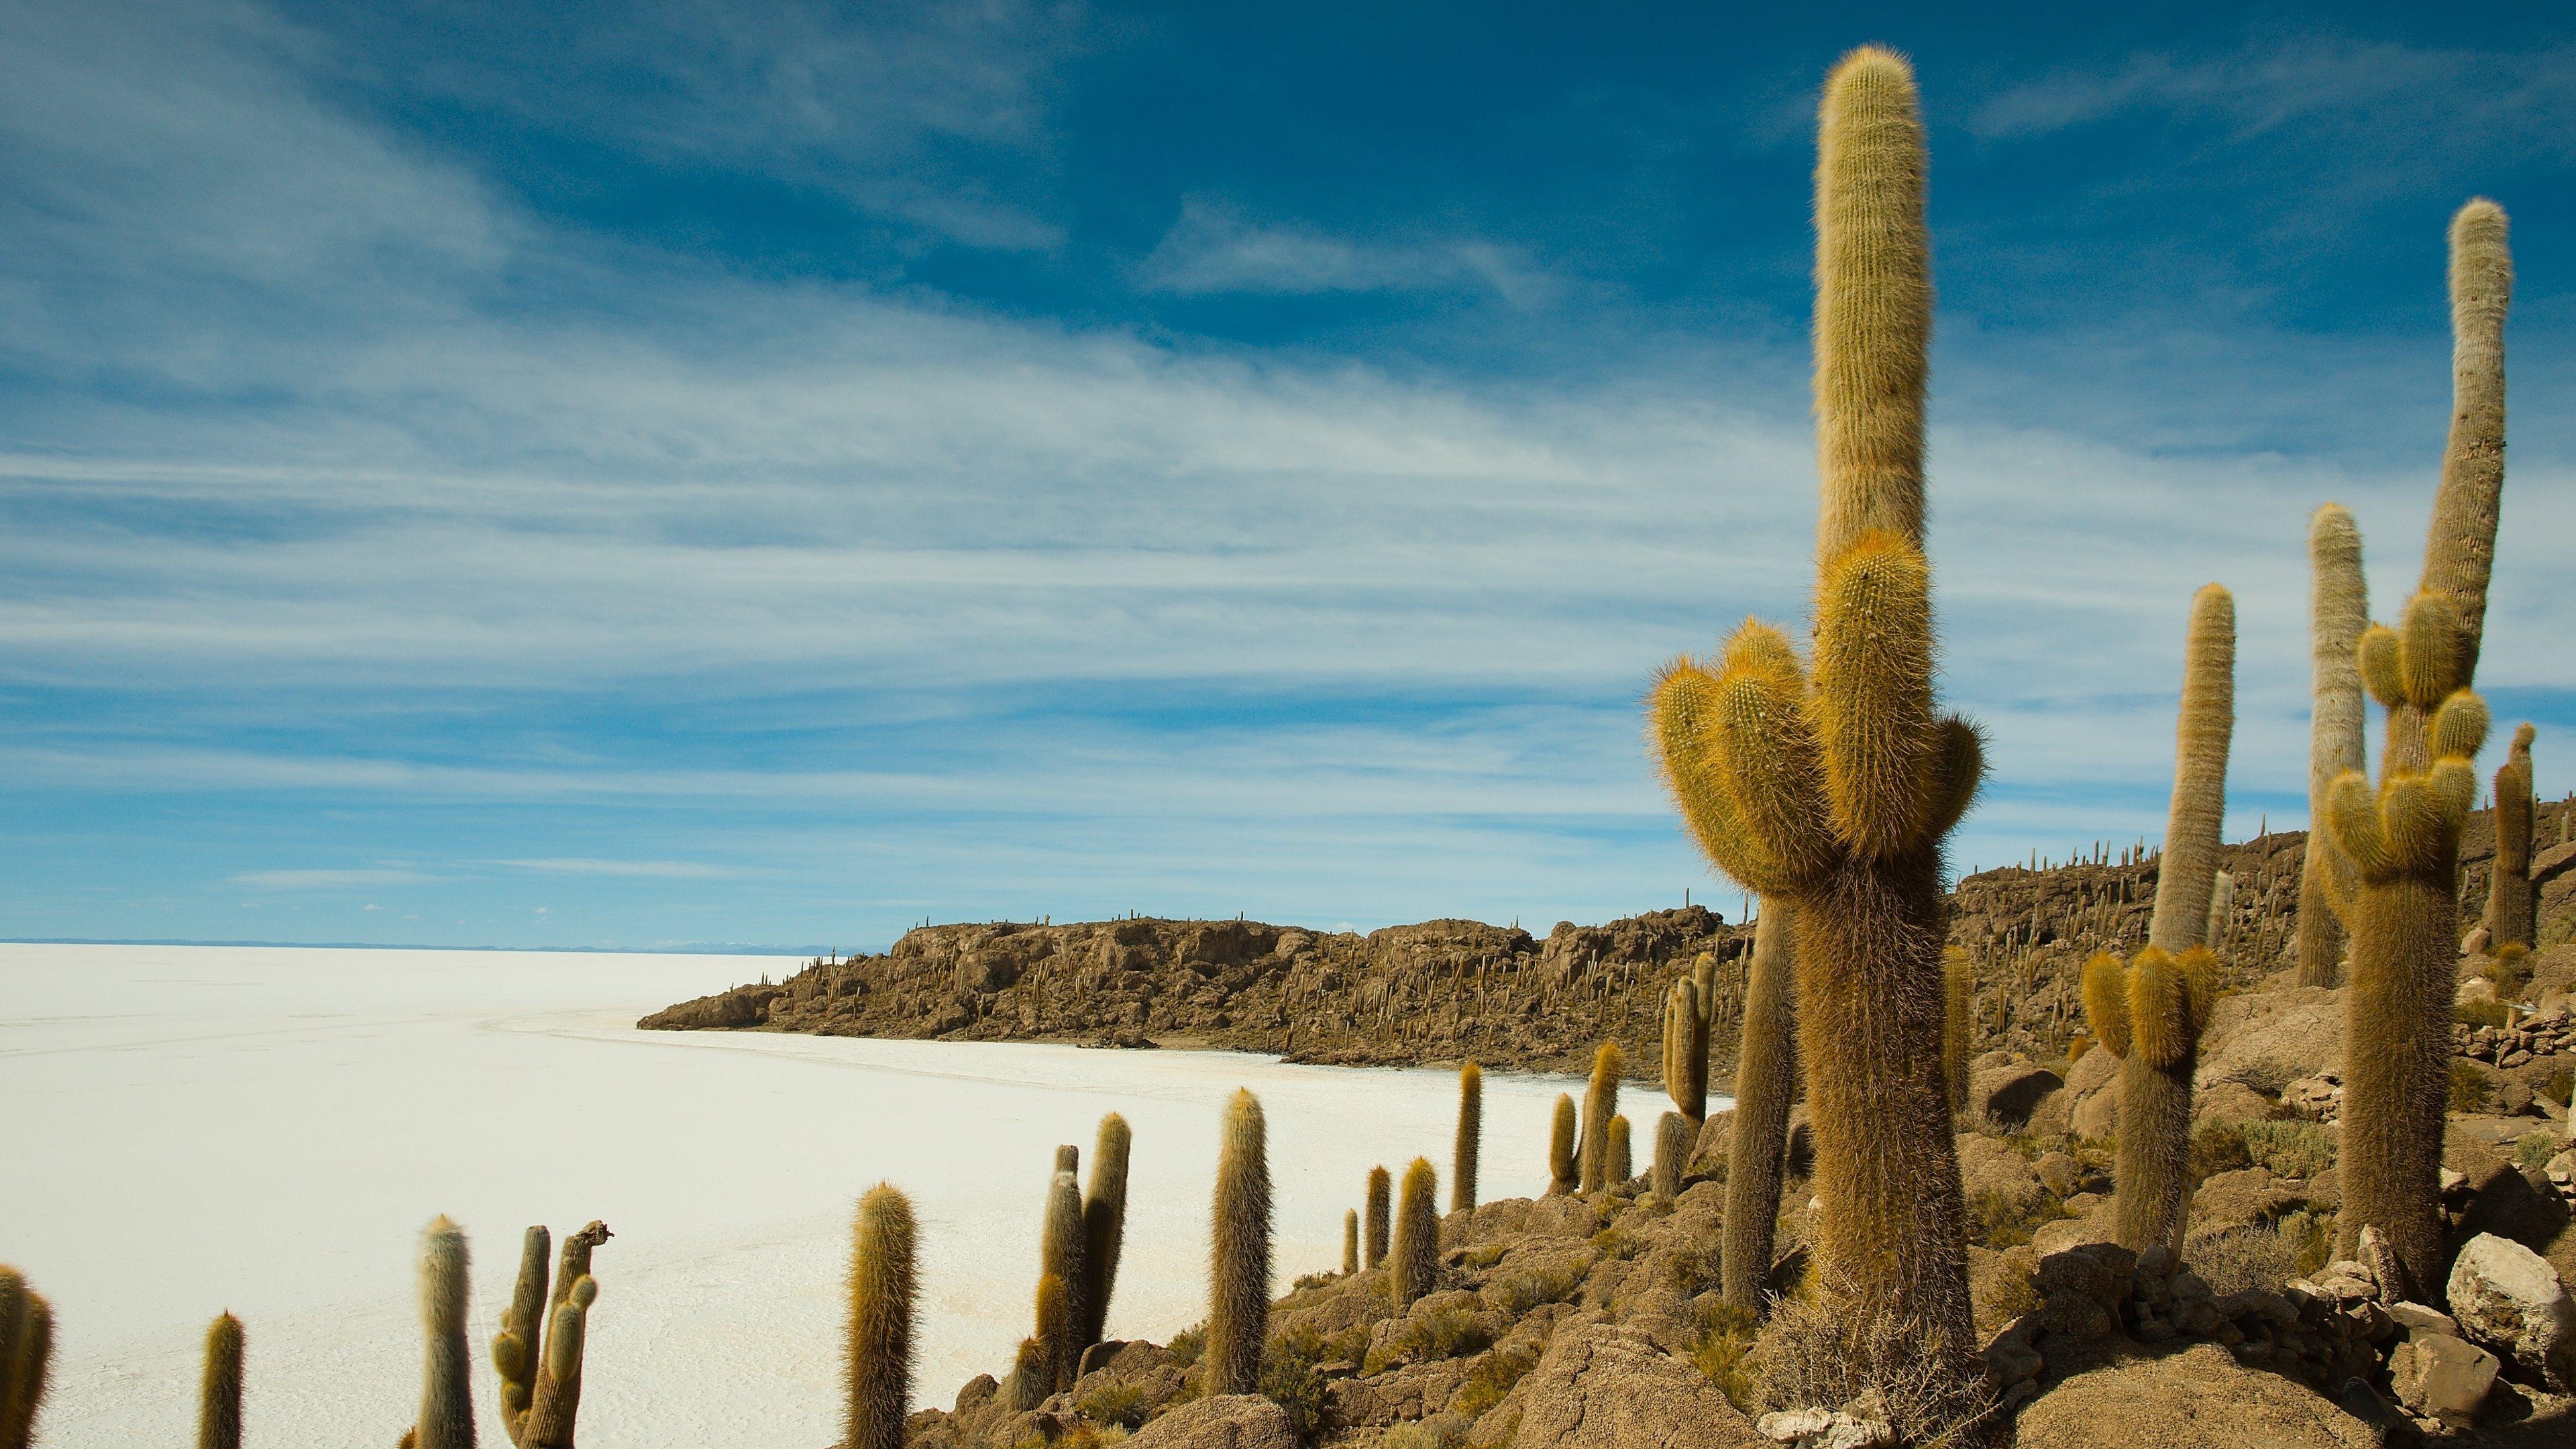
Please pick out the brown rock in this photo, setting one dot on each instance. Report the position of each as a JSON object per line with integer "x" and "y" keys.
{"x": 1229, "y": 1421}
{"x": 2005, "y": 1093}
{"x": 1601, "y": 1387}
{"x": 2228, "y": 1101}
{"x": 2199, "y": 1398}
{"x": 2273, "y": 1037}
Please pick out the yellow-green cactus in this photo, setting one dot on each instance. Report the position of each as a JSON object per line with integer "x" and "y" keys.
{"x": 2150, "y": 1014}
{"x": 219, "y": 1387}
{"x": 876, "y": 1340}
{"x": 1239, "y": 1253}
{"x": 2187, "y": 874}
{"x": 2338, "y": 611}
{"x": 1381, "y": 1207}
{"x": 1413, "y": 1263}
{"x": 1686, "y": 1021}
{"x": 26, "y": 1357}
{"x": 1104, "y": 1225}
{"x": 2512, "y": 911}
{"x": 1766, "y": 1079}
{"x": 1958, "y": 1022}
{"x": 446, "y": 1397}
{"x": 1350, "y": 1241}
{"x": 1673, "y": 1137}
{"x": 1471, "y": 1137}
{"x": 1060, "y": 1245}
{"x": 1600, "y": 1104}
{"x": 1622, "y": 1151}
{"x": 1560, "y": 1148}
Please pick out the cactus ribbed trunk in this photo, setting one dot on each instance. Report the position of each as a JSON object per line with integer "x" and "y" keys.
{"x": 1766, "y": 1074}
{"x": 877, "y": 1339}
{"x": 1104, "y": 1225}
{"x": 1239, "y": 1253}
{"x": 26, "y": 1357}
{"x": 1958, "y": 1022}
{"x": 1350, "y": 1241}
{"x": 2338, "y": 611}
{"x": 1560, "y": 1148}
{"x": 1471, "y": 1137}
{"x": 219, "y": 1390}
{"x": 516, "y": 1349}
{"x": 1413, "y": 1264}
{"x": 1381, "y": 1208}
{"x": 1059, "y": 1334}
{"x": 2390, "y": 1164}
{"x": 1600, "y": 1104}
{"x": 2158, "y": 1041}
{"x": 446, "y": 1396}
{"x": 1672, "y": 1153}
{"x": 2513, "y": 917}
{"x": 2187, "y": 874}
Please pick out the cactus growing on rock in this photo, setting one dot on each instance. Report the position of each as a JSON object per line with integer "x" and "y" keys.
{"x": 1239, "y": 1253}
{"x": 2338, "y": 611}
{"x": 219, "y": 1386}
{"x": 2149, "y": 1014}
{"x": 26, "y": 1357}
{"x": 1381, "y": 1205}
{"x": 1766, "y": 1070}
{"x": 2512, "y": 911}
{"x": 1600, "y": 1104}
{"x": 2403, "y": 838}
{"x": 1622, "y": 1152}
{"x": 1672, "y": 1153}
{"x": 1471, "y": 1136}
{"x": 1831, "y": 782}
{"x": 446, "y": 1397}
{"x": 1104, "y": 1225}
{"x": 1413, "y": 1264}
{"x": 876, "y": 1340}
{"x": 1560, "y": 1148}
{"x": 1686, "y": 1020}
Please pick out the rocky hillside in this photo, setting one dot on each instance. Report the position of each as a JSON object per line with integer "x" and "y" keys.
{"x": 1449, "y": 990}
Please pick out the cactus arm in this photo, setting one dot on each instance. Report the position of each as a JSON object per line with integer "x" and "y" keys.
{"x": 1871, "y": 710}
{"x": 2459, "y": 551}
{"x": 2194, "y": 821}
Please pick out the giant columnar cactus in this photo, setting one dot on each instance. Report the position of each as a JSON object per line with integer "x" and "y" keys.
{"x": 1381, "y": 1204}
{"x": 2404, "y": 837}
{"x": 1560, "y": 1148}
{"x": 1239, "y": 1255}
{"x": 1600, "y": 1104}
{"x": 1686, "y": 1049}
{"x": 523, "y": 1352}
{"x": 1104, "y": 1225}
{"x": 2512, "y": 913}
{"x": 26, "y": 1357}
{"x": 1413, "y": 1264}
{"x": 876, "y": 1348}
{"x": 1958, "y": 1022}
{"x": 446, "y": 1396}
{"x": 1060, "y": 1244}
{"x": 1766, "y": 1073}
{"x": 219, "y": 1388}
{"x": 2187, "y": 876}
{"x": 2150, "y": 1015}
{"x": 1471, "y": 1137}
{"x": 1672, "y": 1153}
{"x": 1830, "y": 782}
{"x": 2338, "y": 610}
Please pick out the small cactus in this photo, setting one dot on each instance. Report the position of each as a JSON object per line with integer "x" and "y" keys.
{"x": 26, "y": 1357}
{"x": 2222, "y": 912}
{"x": 1104, "y": 1225}
{"x": 1672, "y": 1152}
{"x": 1686, "y": 1021}
{"x": 2512, "y": 910}
{"x": 1766, "y": 1077}
{"x": 1622, "y": 1161}
{"x": 1560, "y": 1148}
{"x": 518, "y": 1346}
{"x": 2149, "y": 1014}
{"x": 1350, "y": 1241}
{"x": 1414, "y": 1262}
{"x": 1958, "y": 1025}
{"x": 1381, "y": 1206}
{"x": 1239, "y": 1253}
{"x": 1600, "y": 1104}
{"x": 446, "y": 1397}
{"x": 1471, "y": 1134}
{"x": 219, "y": 1389}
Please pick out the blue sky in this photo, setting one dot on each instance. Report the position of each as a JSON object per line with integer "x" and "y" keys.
{"x": 775, "y": 473}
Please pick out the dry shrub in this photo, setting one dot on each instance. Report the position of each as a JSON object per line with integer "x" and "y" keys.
{"x": 2471, "y": 1087}
{"x": 1816, "y": 1352}
{"x": 2291, "y": 1147}
{"x": 2255, "y": 1259}
{"x": 1491, "y": 1378}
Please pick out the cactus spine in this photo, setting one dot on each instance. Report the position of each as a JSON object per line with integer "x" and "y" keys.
{"x": 1104, "y": 1225}
{"x": 1350, "y": 1241}
{"x": 2150, "y": 1014}
{"x": 2186, "y": 878}
{"x": 1686, "y": 1015}
{"x": 2404, "y": 837}
{"x": 1060, "y": 1243}
{"x": 1766, "y": 1069}
{"x": 219, "y": 1389}
{"x": 1414, "y": 1263}
{"x": 446, "y": 1397}
{"x": 1471, "y": 1137}
{"x": 2338, "y": 610}
{"x": 1239, "y": 1257}
{"x": 1600, "y": 1104}
{"x": 1958, "y": 1022}
{"x": 1560, "y": 1147}
{"x": 2512, "y": 913}
{"x": 1622, "y": 1152}
{"x": 26, "y": 1357}
{"x": 1672, "y": 1153}
{"x": 1381, "y": 1202}
{"x": 1831, "y": 782}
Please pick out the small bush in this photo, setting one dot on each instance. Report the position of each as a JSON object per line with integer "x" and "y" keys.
{"x": 1814, "y": 1352}
{"x": 1114, "y": 1403}
{"x": 2015, "y": 1294}
{"x": 1524, "y": 1289}
{"x": 2485, "y": 1013}
{"x": 2561, "y": 1086}
{"x": 1440, "y": 1431}
{"x": 1491, "y": 1379}
{"x": 1313, "y": 1280}
{"x": 2294, "y": 1147}
{"x": 2255, "y": 1259}
{"x": 1442, "y": 1333}
{"x": 1724, "y": 1340}
{"x": 2000, "y": 1221}
{"x": 2471, "y": 1089}
{"x": 2217, "y": 1147}
{"x": 1187, "y": 1345}
{"x": 2534, "y": 1150}
{"x": 1616, "y": 1242}
{"x": 1486, "y": 1255}
{"x": 2311, "y": 1237}
{"x": 1288, "y": 1378}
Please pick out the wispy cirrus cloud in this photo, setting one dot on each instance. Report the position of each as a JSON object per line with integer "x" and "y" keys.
{"x": 332, "y": 880}
{"x": 636, "y": 869}
{"x": 1213, "y": 248}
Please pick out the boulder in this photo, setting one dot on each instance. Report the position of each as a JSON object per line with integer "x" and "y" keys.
{"x": 2268, "y": 1039}
{"x": 2005, "y": 1093}
{"x": 2097, "y": 1115}
{"x": 2440, "y": 1377}
{"x": 1229, "y": 1421}
{"x": 2228, "y": 1101}
{"x": 1987, "y": 1166}
{"x": 2494, "y": 1196}
{"x": 2241, "y": 1198}
{"x": 2508, "y": 1298}
{"x": 1602, "y": 1387}
{"x": 2200, "y": 1398}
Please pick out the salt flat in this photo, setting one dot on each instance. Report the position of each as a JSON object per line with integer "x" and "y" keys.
{"x": 191, "y": 1129}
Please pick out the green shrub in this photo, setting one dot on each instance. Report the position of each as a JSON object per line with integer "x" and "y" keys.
{"x": 1523, "y": 1289}
{"x": 1288, "y": 1378}
{"x": 2535, "y": 1149}
{"x": 1725, "y": 1335}
{"x": 1114, "y": 1403}
{"x": 1998, "y": 1219}
{"x": 2471, "y": 1089}
{"x": 2217, "y": 1147}
{"x": 1490, "y": 1379}
{"x": 1427, "y": 1337}
{"x": 1188, "y": 1344}
{"x": 2290, "y": 1148}
{"x": 2311, "y": 1237}
{"x": 2485, "y": 1013}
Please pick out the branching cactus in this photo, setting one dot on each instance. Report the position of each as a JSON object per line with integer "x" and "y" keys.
{"x": 1686, "y": 1019}
{"x": 1958, "y": 1022}
{"x": 446, "y": 1395}
{"x": 1239, "y": 1254}
{"x": 2512, "y": 912}
{"x": 26, "y": 1357}
{"x": 1560, "y": 1148}
{"x": 1830, "y": 782}
{"x": 523, "y": 1351}
{"x": 2149, "y": 1014}
{"x": 1600, "y": 1104}
{"x": 2403, "y": 838}
{"x": 1381, "y": 1207}
{"x": 1413, "y": 1265}
{"x": 1673, "y": 1136}
{"x": 1104, "y": 1225}
{"x": 1766, "y": 1074}
{"x": 1471, "y": 1137}
{"x": 2338, "y": 610}
{"x": 219, "y": 1388}
{"x": 552, "y": 1418}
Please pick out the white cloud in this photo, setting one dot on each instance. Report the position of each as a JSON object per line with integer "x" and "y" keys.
{"x": 642, "y": 869}
{"x": 1213, "y": 248}
{"x": 330, "y": 880}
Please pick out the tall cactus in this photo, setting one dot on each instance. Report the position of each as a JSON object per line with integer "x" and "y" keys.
{"x": 876, "y": 1347}
{"x": 1830, "y": 783}
{"x": 2149, "y": 1014}
{"x": 1239, "y": 1255}
{"x": 219, "y": 1387}
{"x": 1350, "y": 1241}
{"x": 2404, "y": 837}
{"x": 446, "y": 1396}
{"x": 1471, "y": 1138}
{"x": 2222, "y": 913}
{"x": 26, "y": 1357}
{"x": 1104, "y": 1225}
{"x": 1381, "y": 1206}
{"x": 1672, "y": 1153}
{"x": 1600, "y": 1104}
{"x": 1958, "y": 1022}
{"x": 2512, "y": 911}
{"x": 1560, "y": 1148}
{"x": 1413, "y": 1264}
{"x": 2187, "y": 876}
{"x": 552, "y": 1418}
{"x": 1686, "y": 1020}
{"x": 2338, "y": 610}
{"x": 519, "y": 1345}
{"x": 1766, "y": 1071}
{"x": 1060, "y": 1245}
{"x": 524, "y": 1354}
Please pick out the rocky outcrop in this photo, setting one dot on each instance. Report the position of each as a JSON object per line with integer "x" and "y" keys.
{"x": 1605, "y": 1387}
{"x": 1230, "y": 1421}
{"x": 2199, "y": 1398}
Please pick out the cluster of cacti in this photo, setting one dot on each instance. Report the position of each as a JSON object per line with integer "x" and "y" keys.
{"x": 2512, "y": 917}
{"x": 1413, "y": 1262}
{"x": 219, "y": 1386}
{"x": 538, "y": 1352}
{"x": 1686, "y": 1022}
{"x": 1600, "y": 1104}
{"x": 2149, "y": 1014}
{"x": 1560, "y": 1148}
{"x": 2338, "y": 611}
{"x": 876, "y": 1364}
{"x": 1471, "y": 1135}
{"x": 1239, "y": 1253}
{"x": 26, "y": 1357}
{"x": 1381, "y": 1206}
{"x": 1831, "y": 782}
{"x": 2403, "y": 837}
{"x": 1766, "y": 1072}
{"x": 1673, "y": 1139}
